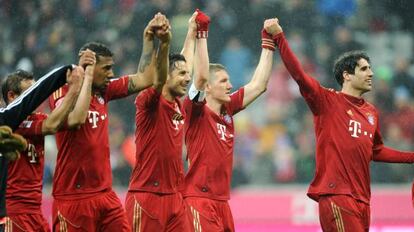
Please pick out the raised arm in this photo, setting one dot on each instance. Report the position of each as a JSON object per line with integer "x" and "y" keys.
{"x": 306, "y": 83}
{"x": 202, "y": 62}
{"x": 163, "y": 33}
{"x": 144, "y": 76}
{"x": 59, "y": 115}
{"x": 26, "y": 103}
{"x": 189, "y": 42}
{"x": 258, "y": 83}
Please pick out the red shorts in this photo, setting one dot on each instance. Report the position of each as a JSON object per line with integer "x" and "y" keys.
{"x": 343, "y": 213}
{"x": 209, "y": 215}
{"x": 99, "y": 213}
{"x": 26, "y": 222}
{"x": 157, "y": 212}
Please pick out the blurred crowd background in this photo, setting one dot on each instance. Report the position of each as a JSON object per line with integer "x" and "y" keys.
{"x": 275, "y": 141}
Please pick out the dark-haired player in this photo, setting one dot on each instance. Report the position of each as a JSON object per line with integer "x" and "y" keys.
{"x": 347, "y": 139}
{"x": 25, "y": 175}
{"x": 82, "y": 182}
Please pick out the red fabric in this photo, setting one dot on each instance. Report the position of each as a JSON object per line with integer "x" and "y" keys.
{"x": 209, "y": 215}
{"x": 159, "y": 143}
{"x": 203, "y": 22}
{"x": 157, "y": 212}
{"x": 347, "y": 134}
{"x": 27, "y": 222}
{"x": 210, "y": 142}
{"x": 343, "y": 213}
{"x": 25, "y": 175}
{"x": 267, "y": 40}
{"x": 83, "y": 167}
{"x": 104, "y": 212}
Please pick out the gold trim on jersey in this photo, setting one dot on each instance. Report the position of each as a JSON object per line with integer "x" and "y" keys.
{"x": 9, "y": 225}
{"x": 57, "y": 94}
{"x": 63, "y": 226}
{"x": 196, "y": 220}
{"x": 338, "y": 217}
{"x": 137, "y": 217}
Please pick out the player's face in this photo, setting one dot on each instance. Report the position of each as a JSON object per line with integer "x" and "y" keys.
{"x": 362, "y": 79}
{"x": 220, "y": 87}
{"x": 179, "y": 79}
{"x": 103, "y": 72}
{"x": 24, "y": 85}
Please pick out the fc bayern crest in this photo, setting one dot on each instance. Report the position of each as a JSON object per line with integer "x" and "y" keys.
{"x": 227, "y": 118}
{"x": 101, "y": 100}
{"x": 371, "y": 119}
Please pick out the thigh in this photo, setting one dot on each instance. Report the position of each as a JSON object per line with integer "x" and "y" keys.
{"x": 79, "y": 215}
{"x": 27, "y": 222}
{"x": 340, "y": 213}
{"x": 227, "y": 217}
{"x": 113, "y": 217}
{"x": 178, "y": 220}
{"x": 203, "y": 215}
{"x": 143, "y": 211}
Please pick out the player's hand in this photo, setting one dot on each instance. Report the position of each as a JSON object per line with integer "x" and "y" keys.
{"x": 87, "y": 57}
{"x": 272, "y": 27}
{"x": 192, "y": 25}
{"x": 162, "y": 28}
{"x": 75, "y": 77}
{"x": 203, "y": 21}
{"x": 11, "y": 143}
{"x": 150, "y": 28}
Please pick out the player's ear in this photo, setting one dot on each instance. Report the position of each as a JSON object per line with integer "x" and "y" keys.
{"x": 11, "y": 96}
{"x": 346, "y": 76}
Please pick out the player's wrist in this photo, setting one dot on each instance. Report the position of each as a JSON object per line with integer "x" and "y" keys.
{"x": 203, "y": 22}
{"x": 267, "y": 41}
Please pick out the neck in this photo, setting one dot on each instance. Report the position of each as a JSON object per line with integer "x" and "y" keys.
{"x": 351, "y": 91}
{"x": 214, "y": 105}
{"x": 167, "y": 94}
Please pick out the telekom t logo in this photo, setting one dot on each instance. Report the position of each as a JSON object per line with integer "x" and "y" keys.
{"x": 31, "y": 152}
{"x": 221, "y": 129}
{"x": 354, "y": 128}
{"x": 94, "y": 117}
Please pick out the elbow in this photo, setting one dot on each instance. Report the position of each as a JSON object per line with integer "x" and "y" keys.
{"x": 76, "y": 123}
{"x": 263, "y": 89}
{"x": 51, "y": 129}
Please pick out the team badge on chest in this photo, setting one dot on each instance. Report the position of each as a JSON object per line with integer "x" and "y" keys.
{"x": 371, "y": 119}
{"x": 227, "y": 118}
{"x": 100, "y": 100}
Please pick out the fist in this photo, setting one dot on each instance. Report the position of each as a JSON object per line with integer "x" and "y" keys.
{"x": 272, "y": 27}
{"x": 75, "y": 76}
{"x": 160, "y": 27}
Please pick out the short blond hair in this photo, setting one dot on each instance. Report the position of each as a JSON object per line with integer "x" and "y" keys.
{"x": 215, "y": 68}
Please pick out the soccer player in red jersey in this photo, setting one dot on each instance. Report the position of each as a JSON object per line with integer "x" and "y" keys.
{"x": 347, "y": 139}
{"x": 25, "y": 175}
{"x": 82, "y": 182}
{"x": 153, "y": 201}
{"x": 209, "y": 136}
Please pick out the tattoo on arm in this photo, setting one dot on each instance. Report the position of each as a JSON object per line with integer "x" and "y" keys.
{"x": 131, "y": 86}
{"x": 145, "y": 61}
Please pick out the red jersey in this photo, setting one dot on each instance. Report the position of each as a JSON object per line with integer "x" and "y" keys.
{"x": 25, "y": 175}
{"x": 347, "y": 136}
{"x": 210, "y": 139}
{"x": 83, "y": 167}
{"x": 159, "y": 143}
